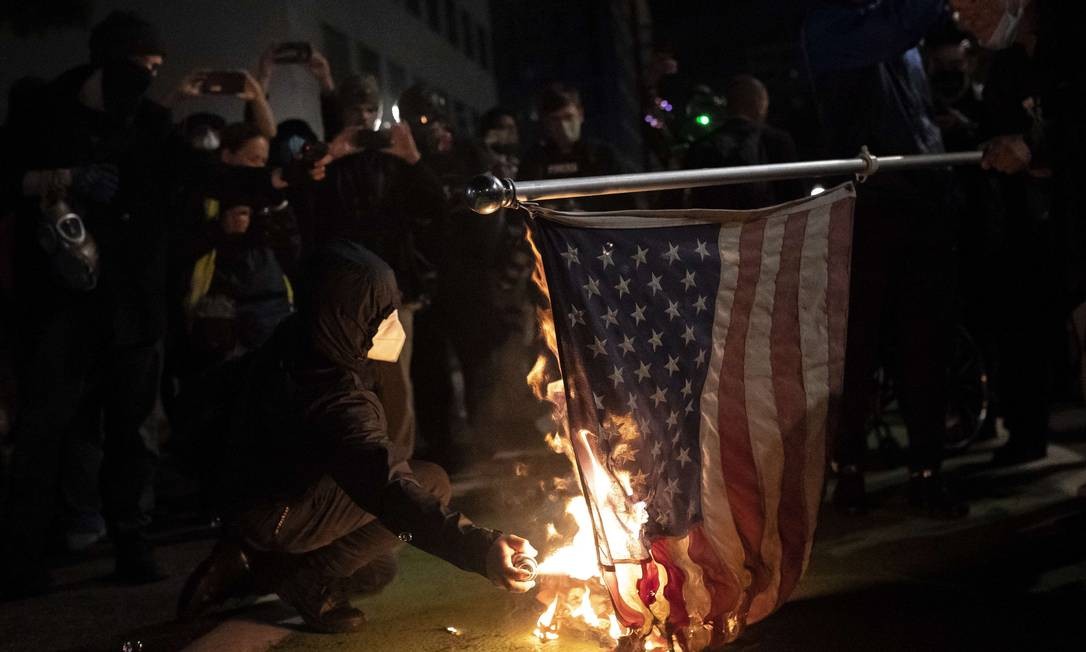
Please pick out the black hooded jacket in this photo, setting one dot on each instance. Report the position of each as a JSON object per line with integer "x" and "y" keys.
{"x": 307, "y": 411}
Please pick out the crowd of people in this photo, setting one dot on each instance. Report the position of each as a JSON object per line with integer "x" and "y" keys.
{"x": 297, "y": 300}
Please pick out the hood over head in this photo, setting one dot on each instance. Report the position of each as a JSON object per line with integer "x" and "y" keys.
{"x": 350, "y": 292}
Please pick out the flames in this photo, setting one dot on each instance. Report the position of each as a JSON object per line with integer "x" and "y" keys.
{"x": 572, "y": 586}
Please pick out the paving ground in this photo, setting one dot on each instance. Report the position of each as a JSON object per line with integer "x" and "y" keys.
{"x": 1012, "y": 576}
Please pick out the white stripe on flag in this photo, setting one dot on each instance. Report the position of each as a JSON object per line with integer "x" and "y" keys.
{"x": 814, "y": 341}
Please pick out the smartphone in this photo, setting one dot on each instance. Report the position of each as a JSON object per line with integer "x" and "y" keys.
{"x": 293, "y": 52}
{"x": 223, "y": 82}
{"x": 370, "y": 139}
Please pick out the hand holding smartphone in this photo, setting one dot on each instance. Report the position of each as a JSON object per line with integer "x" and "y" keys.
{"x": 293, "y": 52}
{"x": 223, "y": 82}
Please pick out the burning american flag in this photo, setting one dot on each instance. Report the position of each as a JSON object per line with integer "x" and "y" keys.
{"x": 702, "y": 355}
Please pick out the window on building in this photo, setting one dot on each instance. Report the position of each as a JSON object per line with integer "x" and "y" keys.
{"x": 368, "y": 61}
{"x": 484, "y": 47}
{"x": 415, "y": 7}
{"x": 469, "y": 34}
{"x": 433, "y": 14}
{"x": 337, "y": 49}
{"x": 451, "y": 30}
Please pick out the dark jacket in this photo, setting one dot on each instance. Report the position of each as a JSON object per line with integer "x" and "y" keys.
{"x": 306, "y": 412}
{"x": 130, "y": 231}
{"x": 382, "y": 203}
{"x": 744, "y": 142}
{"x": 870, "y": 82}
{"x": 587, "y": 158}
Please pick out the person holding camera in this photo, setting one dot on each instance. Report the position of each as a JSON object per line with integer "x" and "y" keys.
{"x": 242, "y": 255}
{"x": 92, "y": 161}
{"x": 236, "y": 83}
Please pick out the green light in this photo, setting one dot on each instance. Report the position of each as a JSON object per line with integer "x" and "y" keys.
{"x": 703, "y": 120}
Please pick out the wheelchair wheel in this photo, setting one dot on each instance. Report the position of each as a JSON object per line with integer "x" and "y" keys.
{"x": 967, "y": 392}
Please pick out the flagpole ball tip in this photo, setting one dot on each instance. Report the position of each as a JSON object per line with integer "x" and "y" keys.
{"x": 487, "y": 194}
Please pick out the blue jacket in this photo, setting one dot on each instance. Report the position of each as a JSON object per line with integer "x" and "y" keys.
{"x": 868, "y": 76}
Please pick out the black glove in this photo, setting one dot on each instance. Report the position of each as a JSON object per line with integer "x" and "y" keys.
{"x": 97, "y": 182}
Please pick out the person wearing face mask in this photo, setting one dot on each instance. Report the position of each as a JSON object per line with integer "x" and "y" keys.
{"x": 563, "y": 152}
{"x": 241, "y": 257}
{"x": 90, "y": 356}
{"x": 312, "y": 487}
{"x": 1034, "y": 130}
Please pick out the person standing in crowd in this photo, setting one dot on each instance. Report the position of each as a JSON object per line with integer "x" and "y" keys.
{"x": 92, "y": 163}
{"x": 566, "y": 152}
{"x": 313, "y": 492}
{"x": 382, "y": 198}
{"x": 744, "y": 139}
{"x": 242, "y": 255}
{"x": 1033, "y": 98}
{"x": 872, "y": 91}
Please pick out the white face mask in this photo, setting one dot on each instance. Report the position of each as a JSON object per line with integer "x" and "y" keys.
{"x": 389, "y": 340}
{"x": 572, "y": 130}
{"x": 1007, "y": 29}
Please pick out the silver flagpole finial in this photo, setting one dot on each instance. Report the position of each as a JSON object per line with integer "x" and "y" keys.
{"x": 487, "y": 194}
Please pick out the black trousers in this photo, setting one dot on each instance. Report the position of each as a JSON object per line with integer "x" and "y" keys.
{"x": 899, "y": 314}
{"x": 76, "y": 379}
{"x": 335, "y": 535}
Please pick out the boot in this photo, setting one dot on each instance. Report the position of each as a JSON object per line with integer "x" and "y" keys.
{"x": 928, "y": 494}
{"x": 850, "y": 495}
{"x": 223, "y": 575}
{"x": 320, "y": 602}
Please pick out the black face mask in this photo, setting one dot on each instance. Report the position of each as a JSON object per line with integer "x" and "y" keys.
{"x": 123, "y": 84}
{"x": 949, "y": 85}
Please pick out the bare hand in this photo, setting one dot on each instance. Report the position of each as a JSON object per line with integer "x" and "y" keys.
{"x": 499, "y": 563}
{"x": 403, "y": 144}
{"x": 190, "y": 86}
{"x": 319, "y": 68}
{"x": 265, "y": 67}
{"x": 319, "y": 171}
{"x": 253, "y": 88}
{"x": 1007, "y": 154}
{"x": 343, "y": 144}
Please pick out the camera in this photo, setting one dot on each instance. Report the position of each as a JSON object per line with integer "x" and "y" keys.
{"x": 370, "y": 139}
{"x": 293, "y": 52}
{"x": 223, "y": 82}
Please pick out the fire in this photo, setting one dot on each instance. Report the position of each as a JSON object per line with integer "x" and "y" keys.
{"x": 572, "y": 585}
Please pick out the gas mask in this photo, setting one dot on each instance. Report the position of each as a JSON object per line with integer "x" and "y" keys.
{"x": 1007, "y": 29}
{"x": 72, "y": 251}
{"x": 389, "y": 340}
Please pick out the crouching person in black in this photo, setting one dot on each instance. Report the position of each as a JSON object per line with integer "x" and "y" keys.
{"x": 313, "y": 489}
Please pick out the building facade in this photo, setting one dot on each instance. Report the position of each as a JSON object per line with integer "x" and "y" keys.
{"x": 446, "y": 44}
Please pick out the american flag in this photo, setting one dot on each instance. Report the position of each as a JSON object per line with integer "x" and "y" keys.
{"x": 702, "y": 355}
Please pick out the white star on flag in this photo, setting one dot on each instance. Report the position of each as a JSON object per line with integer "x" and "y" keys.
{"x": 672, "y": 310}
{"x": 688, "y": 281}
{"x": 623, "y": 286}
{"x": 659, "y": 397}
{"x": 672, "y": 253}
{"x": 655, "y": 284}
{"x": 605, "y": 258}
{"x": 610, "y": 317}
{"x": 571, "y": 256}
{"x": 592, "y": 287}
{"x": 701, "y": 250}
{"x": 672, "y": 365}
{"x": 643, "y": 371}
{"x": 655, "y": 340}
{"x": 576, "y": 317}
{"x": 688, "y": 335}
{"x": 638, "y": 314}
{"x": 616, "y": 377}
{"x": 639, "y": 257}
{"x": 627, "y": 345}
{"x": 699, "y": 305}
{"x": 597, "y": 348}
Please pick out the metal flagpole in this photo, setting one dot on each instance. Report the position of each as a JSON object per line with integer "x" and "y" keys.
{"x": 486, "y": 193}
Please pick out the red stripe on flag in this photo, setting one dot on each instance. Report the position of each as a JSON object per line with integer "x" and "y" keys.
{"x": 673, "y": 591}
{"x": 724, "y": 589}
{"x": 736, "y": 454}
{"x": 789, "y": 393}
